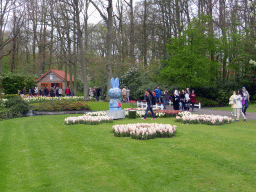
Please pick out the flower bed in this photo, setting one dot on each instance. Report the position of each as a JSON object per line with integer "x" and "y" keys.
{"x": 88, "y": 120}
{"x": 140, "y": 112}
{"x": 145, "y": 131}
{"x": 205, "y": 119}
{"x": 39, "y": 99}
{"x": 139, "y": 109}
{"x": 184, "y": 113}
{"x": 59, "y": 105}
{"x": 98, "y": 113}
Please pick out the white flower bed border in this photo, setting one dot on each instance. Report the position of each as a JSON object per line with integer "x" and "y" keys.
{"x": 204, "y": 119}
{"x": 88, "y": 120}
{"x": 144, "y": 130}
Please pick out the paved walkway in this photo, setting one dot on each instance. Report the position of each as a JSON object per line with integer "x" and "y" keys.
{"x": 206, "y": 111}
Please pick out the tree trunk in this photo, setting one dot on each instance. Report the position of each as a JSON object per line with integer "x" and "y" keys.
{"x": 82, "y": 57}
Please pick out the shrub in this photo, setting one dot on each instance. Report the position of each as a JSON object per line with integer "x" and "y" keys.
{"x": 132, "y": 114}
{"x": 60, "y": 105}
{"x": 14, "y": 107}
{"x": 12, "y": 82}
{"x": 8, "y": 96}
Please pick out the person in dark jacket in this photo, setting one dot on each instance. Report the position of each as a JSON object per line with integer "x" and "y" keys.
{"x": 52, "y": 92}
{"x": 149, "y": 97}
{"x": 46, "y": 91}
{"x": 165, "y": 98}
{"x": 98, "y": 90}
{"x": 176, "y": 100}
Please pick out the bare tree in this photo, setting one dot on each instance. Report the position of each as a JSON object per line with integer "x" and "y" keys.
{"x": 109, "y": 21}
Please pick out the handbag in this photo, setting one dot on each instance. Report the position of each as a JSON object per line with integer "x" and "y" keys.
{"x": 243, "y": 101}
{"x": 231, "y": 102}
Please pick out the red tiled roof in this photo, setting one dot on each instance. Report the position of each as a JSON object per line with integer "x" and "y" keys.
{"x": 59, "y": 73}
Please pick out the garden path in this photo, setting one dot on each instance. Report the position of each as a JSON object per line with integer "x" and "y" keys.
{"x": 206, "y": 111}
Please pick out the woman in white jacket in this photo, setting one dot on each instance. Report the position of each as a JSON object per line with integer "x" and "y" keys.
{"x": 238, "y": 99}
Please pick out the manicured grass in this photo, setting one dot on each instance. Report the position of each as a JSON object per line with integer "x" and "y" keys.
{"x": 42, "y": 154}
{"x": 251, "y": 108}
{"x": 98, "y": 106}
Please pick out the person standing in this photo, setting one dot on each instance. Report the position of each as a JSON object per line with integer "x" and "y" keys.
{"x": 233, "y": 103}
{"x": 192, "y": 97}
{"x": 24, "y": 91}
{"x": 52, "y": 93}
{"x": 239, "y": 105}
{"x": 187, "y": 90}
{"x": 165, "y": 97}
{"x": 128, "y": 94}
{"x": 176, "y": 100}
{"x": 182, "y": 99}
{"x": 60, "y": 92}
{"x": 98, "y": 93}
{"x": 246, "y": 99}
{"x": 124, "y": 94}
{"x": 158, "y": 94}
{"x": 67, "y": 91}
{"x": 187, "y": 101}
{"x": 149, "y": 97}
{"x": 30, "y": 92}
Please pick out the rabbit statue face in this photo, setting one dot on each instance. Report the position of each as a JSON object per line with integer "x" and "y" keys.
{"x": 115, "y": 94}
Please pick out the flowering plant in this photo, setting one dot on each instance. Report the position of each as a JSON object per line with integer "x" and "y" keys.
{"x": 181, "y": 114}
{"x": 140, "y": 112}
{"x": 39, "y": 99}
{"x": 60, "y": 105}
{"x": 144, "y": 131}
{"x": 98, "y": 113}
{"x": 138, "y": 109}
{"x": 205, "y": 119}
{"x": 88, "y": 120}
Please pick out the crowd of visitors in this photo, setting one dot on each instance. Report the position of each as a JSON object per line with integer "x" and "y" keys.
{"x": 181, "y": 100}
{"x": 239, "y": 103}
{"x": 47, "y": 92}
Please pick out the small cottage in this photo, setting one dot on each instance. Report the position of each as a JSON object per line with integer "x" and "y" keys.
{"x": 52, "y": 78}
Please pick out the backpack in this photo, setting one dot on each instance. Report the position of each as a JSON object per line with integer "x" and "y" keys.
{"x": 153, "y": 100}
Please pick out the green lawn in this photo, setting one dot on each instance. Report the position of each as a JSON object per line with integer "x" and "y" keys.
{"x": 251, "y": 108}
{"x": 42, "y": 154}
{"x": 98, "y": 106}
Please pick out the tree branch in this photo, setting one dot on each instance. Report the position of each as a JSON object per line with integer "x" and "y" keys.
{"x": 100, "y": 12}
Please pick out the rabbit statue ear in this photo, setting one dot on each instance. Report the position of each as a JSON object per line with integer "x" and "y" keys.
{"x": 117, "y": 82}
{"x": 112, "y": 82}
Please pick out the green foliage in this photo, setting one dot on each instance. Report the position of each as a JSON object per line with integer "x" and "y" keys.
{"x": 61, "y": 105}
{"x": 13, "y": 82}
{"x": 14, "y": 107}
{"x": 138, "y": 82}
{"x": 7, "y": 96}
{"x": 132, "y": 114}
{"x": 189, "y": 63}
